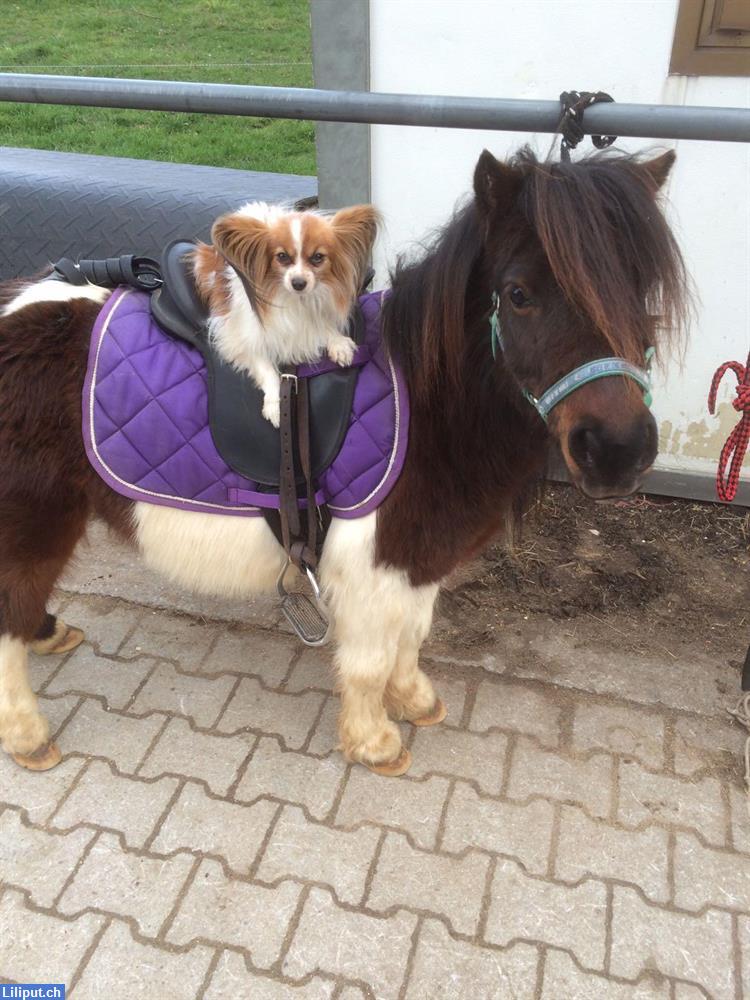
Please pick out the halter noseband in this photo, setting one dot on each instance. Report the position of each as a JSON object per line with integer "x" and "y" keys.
{"x": 590, "y": 372}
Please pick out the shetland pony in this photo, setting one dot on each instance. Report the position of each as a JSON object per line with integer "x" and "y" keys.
{"x": 575, "y": 262}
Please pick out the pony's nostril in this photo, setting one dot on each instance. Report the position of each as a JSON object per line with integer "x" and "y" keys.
{"x": 299, "y": 284}
{"x": 585, "y": 447}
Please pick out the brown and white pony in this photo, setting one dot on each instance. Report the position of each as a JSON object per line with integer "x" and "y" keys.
{"x": 582, "y": 265}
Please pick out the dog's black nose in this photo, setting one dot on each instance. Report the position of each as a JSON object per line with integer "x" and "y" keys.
{"x": 299, "y": 284}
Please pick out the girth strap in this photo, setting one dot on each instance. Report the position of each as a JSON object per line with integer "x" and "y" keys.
{"x": 302, "y": 547}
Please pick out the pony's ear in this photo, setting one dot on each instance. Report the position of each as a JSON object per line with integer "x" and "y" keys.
{"x": 657, "y": 170}
{"x": 495, "y": 185}
{"x": 357, "y": 228}
{"x": 242, "y": 240}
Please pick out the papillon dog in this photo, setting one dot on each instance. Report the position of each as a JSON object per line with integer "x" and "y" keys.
{"x": 280, "y": 286}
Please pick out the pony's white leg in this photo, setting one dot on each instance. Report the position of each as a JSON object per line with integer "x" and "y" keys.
{"x": 23, "y": 729}
{"x": 409, "y": 693}
{"x": 370, "y": 604}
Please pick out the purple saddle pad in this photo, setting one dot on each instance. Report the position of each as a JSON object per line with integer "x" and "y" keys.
{"x": 147, "y": 434}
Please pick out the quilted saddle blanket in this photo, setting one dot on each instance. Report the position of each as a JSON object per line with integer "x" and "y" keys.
{"x": 147, "y": 433}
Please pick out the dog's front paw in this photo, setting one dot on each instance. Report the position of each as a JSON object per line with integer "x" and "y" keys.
{"x": 272, "y": 409}
{"x": 341, "y": 349}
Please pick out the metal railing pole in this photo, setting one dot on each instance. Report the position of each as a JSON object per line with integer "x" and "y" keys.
{"x": 643, "y": 120}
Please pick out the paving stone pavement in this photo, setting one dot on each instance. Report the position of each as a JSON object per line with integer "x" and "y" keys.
{"x": 554, "y": 839}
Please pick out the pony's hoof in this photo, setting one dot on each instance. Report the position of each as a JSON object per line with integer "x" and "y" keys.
{"x": 63, "y": 639}
{"x": 392, "y": 768}
{"x": 437, "y": 714}
{"x": 43, "y": 759}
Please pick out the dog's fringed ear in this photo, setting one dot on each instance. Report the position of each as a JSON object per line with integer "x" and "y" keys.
{"x": 356, "y": 228}
{"x": 243, "y": 241}
{"x": 495, "y": 186}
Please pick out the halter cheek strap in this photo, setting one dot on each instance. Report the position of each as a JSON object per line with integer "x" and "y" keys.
{"x": 590, "y": 372}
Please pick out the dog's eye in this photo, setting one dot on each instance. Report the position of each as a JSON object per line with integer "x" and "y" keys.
{"x": 317, "y": 258}
{"x": 283, "y": 257}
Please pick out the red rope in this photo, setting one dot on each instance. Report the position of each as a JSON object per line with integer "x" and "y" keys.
{"x": 737, "y": 442}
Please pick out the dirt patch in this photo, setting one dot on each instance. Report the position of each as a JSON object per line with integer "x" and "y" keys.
{"x": 645, "y": 567}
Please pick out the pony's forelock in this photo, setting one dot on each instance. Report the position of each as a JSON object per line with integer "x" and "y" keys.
{"x": 608, "y": 245}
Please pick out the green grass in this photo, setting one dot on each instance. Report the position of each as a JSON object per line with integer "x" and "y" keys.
{"x": 216, "y": 41}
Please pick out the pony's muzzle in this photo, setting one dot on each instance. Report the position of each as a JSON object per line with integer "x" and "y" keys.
{"x": 611, "y": 458}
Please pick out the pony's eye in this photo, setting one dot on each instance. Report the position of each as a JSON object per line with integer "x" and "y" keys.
{"x": 317, "y": 258}
{"x": 283, "y": 257}
{"x": 518, "y": 298}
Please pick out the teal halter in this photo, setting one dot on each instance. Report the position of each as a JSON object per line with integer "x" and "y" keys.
{"x": 592, "y": 370}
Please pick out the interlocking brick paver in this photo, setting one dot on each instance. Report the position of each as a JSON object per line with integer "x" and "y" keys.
{"x": 645, "y": 796}
{"x": 524, "y": 831}
{"x": 466, "y": 755}
{"x": 317, "y": 853}
{"x": 38, "y": 793}
{"x": 587, "y": 846}
{"x": 525, "y": 854}
{"x": 587, "y": 782}
{"x": 514, "y": 707}
{"x": 292, "y": 776}
{"x": 530, "y": 908}
{"x": 114, "y": 680}
{"x": 41, "y": 669}
{"x": 235, "y": 913}
{"x": 200, "y": 698}
{"x": 119, "y": 882}
{"x": 121, "y": 738}
{"x": 696, "y": 948}
{"x": 313, "y": 671}
{"x": 170, "y": 637}
{"x": 686, "y": 991}
{"x": 266, "y": 654}
{"x": 413, "y": 806}
{"x": 563, "y": 980}
{"x": 705, "y": 876}
{"x": 106, "y": 622}
{"x": 214, "y": 759}
{"x": 36, "y": 947}
{"x": 743, "y": 927}
{"x": 325, "y": 738}
{"x": 448, "y": 969}
{"x": 232, "y": 979}
{"x": 57, "y": 710}
{"x": 122, "y": 969}
{"x": 739, "y": 809}
{"x": 704, "y": 743}
{"x": 349, "y": 944}
{"x": 622, "y": 729}
{"x": 106, "y": 799}
{"x": 197, "y": 822}
{"x": 448, "y": 886}
{"x": 37, "y": 861}
{"x": 290, "y": 716}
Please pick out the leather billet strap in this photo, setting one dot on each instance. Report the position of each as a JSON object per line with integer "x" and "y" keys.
{"x": 295, "y": 416}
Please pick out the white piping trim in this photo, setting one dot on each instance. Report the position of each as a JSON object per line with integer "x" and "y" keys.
{"x": 394, "y": 450}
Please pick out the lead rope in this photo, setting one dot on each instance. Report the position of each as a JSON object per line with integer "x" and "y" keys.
{"x": 737, "y": 443}
{"x": 570, "y": 126}
{"x": 727, "y": 482}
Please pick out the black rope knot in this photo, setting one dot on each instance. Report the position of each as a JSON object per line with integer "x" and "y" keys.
{"x": 570, "y": 126}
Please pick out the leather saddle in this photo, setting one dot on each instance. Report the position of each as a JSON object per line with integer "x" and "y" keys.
{"x": 248, "y": 442}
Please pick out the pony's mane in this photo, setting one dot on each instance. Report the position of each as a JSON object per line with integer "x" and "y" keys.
{"x": 608, "y": 246}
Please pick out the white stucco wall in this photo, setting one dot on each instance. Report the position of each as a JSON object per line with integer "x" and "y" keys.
{"x": 536, "y": 49}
